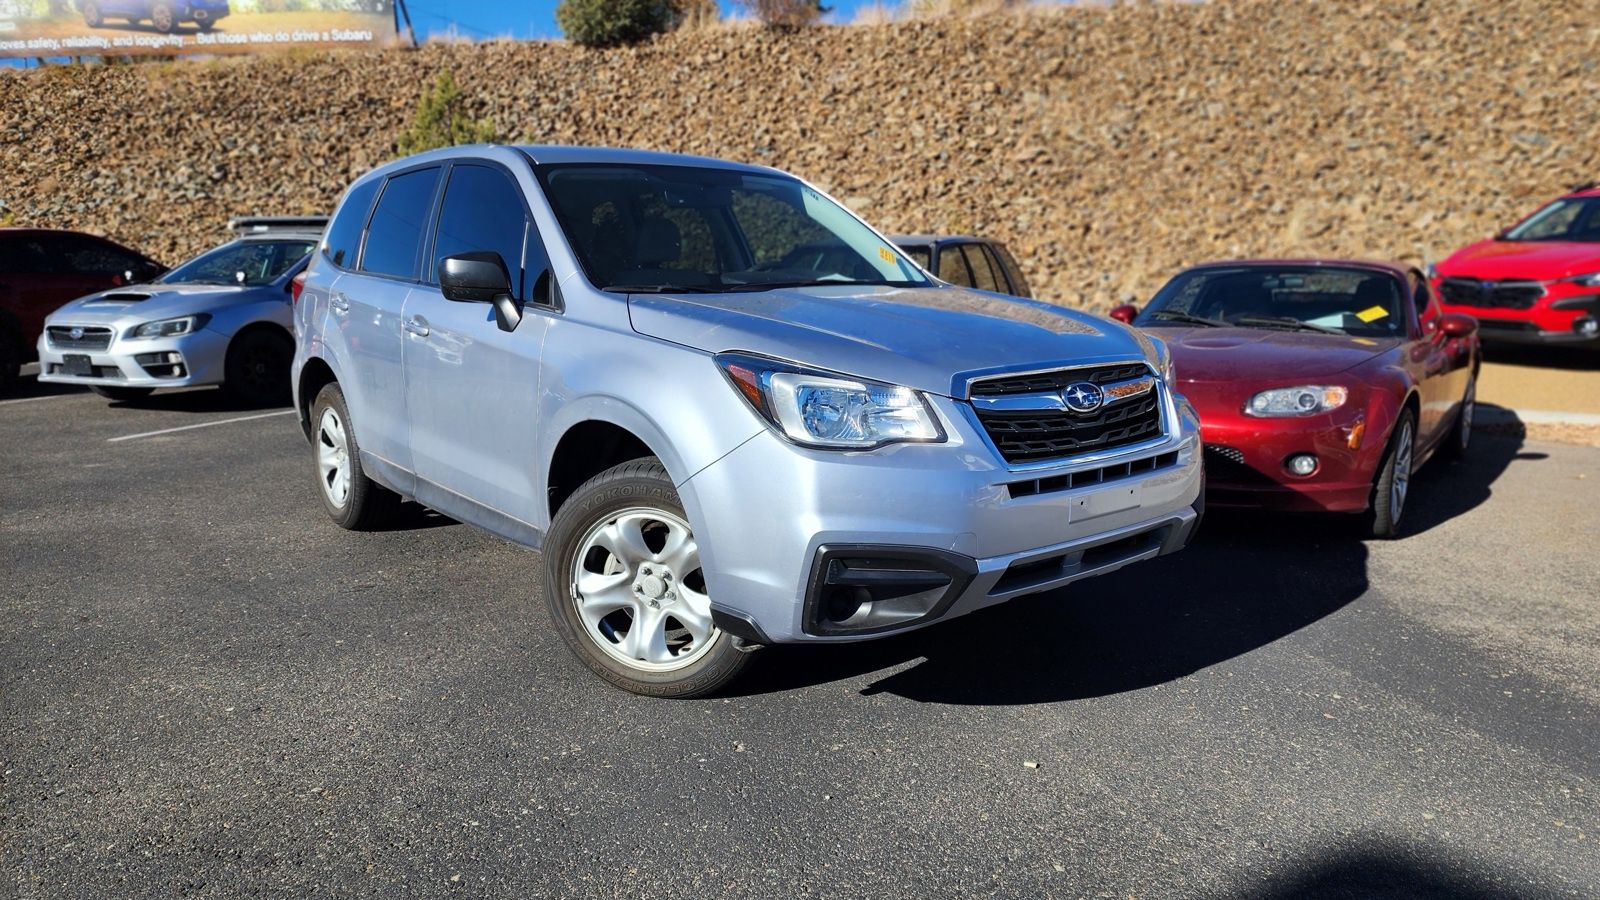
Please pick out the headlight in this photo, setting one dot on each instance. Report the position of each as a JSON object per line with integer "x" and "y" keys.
{"x": 818, "y": 409}
{"x": 1296, "y": 401}
{"x": 170, "y": 327}
{"x": 1590, "y": 280}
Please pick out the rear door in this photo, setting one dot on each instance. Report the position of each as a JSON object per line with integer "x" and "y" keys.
{"x": 366, "y": 305}
{"x": 472, "y": 389}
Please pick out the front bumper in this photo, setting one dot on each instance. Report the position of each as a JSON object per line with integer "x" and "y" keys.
{"x": 1246, "y": 463}
{"x": 773, "y": 514}
{"x": 1566, "y": 314}
{"x": 143, "y": 363}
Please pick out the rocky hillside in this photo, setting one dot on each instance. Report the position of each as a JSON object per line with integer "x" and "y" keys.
{"x": 1108, "y": 146}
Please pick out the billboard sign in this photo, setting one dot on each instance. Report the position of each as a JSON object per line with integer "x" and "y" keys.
{"x": 167, "y": 27}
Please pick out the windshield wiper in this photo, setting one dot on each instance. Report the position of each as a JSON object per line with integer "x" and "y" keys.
{"x": 1190, "y": 318}
{"x": 1285, "y": 322}
{"x": 657, "y": 289}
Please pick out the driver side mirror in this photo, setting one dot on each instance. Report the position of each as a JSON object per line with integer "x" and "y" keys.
{"x": 481, "y": 277}
{"x": 1125, "y": 313}
{"x": 1457, "y": 325}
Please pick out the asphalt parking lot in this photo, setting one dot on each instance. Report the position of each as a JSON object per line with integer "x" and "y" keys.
{"x": 208, "y": 690}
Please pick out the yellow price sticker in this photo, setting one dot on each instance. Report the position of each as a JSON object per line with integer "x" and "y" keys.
{"x": 1372, "y": 314}
{"x": 887, "y": 256}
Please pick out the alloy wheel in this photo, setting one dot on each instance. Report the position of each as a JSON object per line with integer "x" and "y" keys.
{"x": 1401, "y": 480}
{"x": 639, "y": 590}
{"x": 333, "y": 458}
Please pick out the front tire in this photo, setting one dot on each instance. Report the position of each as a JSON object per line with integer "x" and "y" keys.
{"x": 1392, "y": 487}
{"x": 92, "y": 16}
{"x": 123, "y": 394}
{"x": 626, "y": 589}
{"x": 256, "y": 371}
{"x": 352, "y": 500}
{"x": 162, "y": 18}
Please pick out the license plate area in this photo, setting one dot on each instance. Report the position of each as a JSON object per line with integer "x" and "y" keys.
{"x": 77, "y": 364}
{"x": 1104, "y": 503}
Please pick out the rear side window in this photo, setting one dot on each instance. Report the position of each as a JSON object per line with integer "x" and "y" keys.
{"x": 344, "y": 232}
{"x": 1019, "y": 283}
{"x": 482, "y": 210}
{"x": 394, "y": 238}
{"x": 984, "y": 277}
{"x": 22, "y": 256}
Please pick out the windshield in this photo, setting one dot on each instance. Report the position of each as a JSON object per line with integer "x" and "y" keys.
{"x": 1300, "y": 298}
{"x": 241, "y": 262}
{"x": 689, "y": 228}
{"x": 1571, "y": 219}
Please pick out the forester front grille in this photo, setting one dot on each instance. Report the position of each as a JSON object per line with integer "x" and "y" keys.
{"x": 88, "y": 338}
{"x": 1490, "y": 294}
{"x": 1037, "y": 435}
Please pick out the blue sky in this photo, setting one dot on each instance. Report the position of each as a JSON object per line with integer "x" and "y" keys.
{"x": 532, "y": 19}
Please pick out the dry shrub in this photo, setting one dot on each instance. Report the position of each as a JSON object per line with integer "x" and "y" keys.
{"x": 785, "y": 15}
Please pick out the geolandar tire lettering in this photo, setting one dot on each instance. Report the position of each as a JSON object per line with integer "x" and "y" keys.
{"x": 351, "y": 499}
{"x": 625, "y": 587}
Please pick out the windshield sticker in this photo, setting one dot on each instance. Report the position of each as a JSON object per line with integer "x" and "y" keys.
{"x": 1372, "y": 314}
{"x": 886, "y": 254}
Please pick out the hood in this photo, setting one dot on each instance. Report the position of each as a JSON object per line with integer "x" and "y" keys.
{"x": 1532, "y": 260}
{"x": 1256, "y": 355}
{"x": 148, "y": 302}
{"x": 931, "y": 339}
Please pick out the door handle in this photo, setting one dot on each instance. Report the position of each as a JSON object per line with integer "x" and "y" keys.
{"x": 339, "y": 302}
{"x": 417, "y": 325}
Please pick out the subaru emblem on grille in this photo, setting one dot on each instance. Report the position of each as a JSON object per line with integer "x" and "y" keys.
{"x": 1082, "y": 397}
{"x": 76, "y": 333}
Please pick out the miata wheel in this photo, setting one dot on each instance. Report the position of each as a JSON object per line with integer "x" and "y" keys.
{"x": 1393, "y": 485}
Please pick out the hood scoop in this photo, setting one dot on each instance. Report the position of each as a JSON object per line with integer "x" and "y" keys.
{"x": 120, "y": 297}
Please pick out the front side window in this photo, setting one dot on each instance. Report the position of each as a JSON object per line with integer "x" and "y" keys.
{"x": 482, "y": 210}
{"x": 86, "y": 256}
{"x": 689, "y": 228}
{"x": 1569, "y": 219}
{"x": 252, "y": 262}
{"x": 1302, "y": 298}
{"x": 394, "y": 238}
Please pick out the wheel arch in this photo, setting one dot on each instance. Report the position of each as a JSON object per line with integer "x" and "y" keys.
{"x": 595, "y": 439}
{"x": 315, "y": 375}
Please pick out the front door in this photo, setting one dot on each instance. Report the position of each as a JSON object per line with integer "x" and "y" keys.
{"x": 472, "y": 390}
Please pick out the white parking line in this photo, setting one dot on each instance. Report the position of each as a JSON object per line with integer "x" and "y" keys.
{"x": 45, "y": 397}
{"x": 145, "y": 434}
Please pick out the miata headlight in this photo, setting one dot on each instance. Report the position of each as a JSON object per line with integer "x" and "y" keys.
{"x": 170, "y": 327}
{"x": 1307, "y": 400}
{"x": 819, "y": 409}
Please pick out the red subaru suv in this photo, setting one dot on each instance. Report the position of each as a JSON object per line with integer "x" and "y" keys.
{"x": 1536, "y": 282}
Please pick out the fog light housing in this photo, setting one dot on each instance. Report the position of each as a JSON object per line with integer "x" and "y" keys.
{"x": 1301, "y": 464}
{"x": 1587, "y": 326}
{"x": 866, "y": 589}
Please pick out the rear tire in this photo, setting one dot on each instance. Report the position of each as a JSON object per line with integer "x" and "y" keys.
{"x": 625, "y": 587}
{"x": 92, "y": 16}
{"x": 123, "y": 394}
{"x": 256, "y": 371}
{"x": 162, "y": 18}
{"x": 10, "y": 361}
{"x": 1392, "y": 488}
{"x": 352, "y": 500}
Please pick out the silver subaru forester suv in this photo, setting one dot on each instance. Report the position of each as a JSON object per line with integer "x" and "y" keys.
{"x": 728, "y": 411}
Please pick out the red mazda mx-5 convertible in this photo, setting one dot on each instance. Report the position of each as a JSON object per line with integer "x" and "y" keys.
{"x": 1321, "y": 385}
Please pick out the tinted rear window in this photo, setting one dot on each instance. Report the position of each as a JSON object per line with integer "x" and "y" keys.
{"x": 394, "y": 237}
{"x": 344, "y": 233}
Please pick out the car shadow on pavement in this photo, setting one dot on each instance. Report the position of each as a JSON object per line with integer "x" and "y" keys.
{"x": 29, "y": 386}
{"x": 1444, "y": 489}
{"x": 1580, "y": 359}
{"x": 1385, "y": 870}
{"x": 1246, "y": 582}
{"x": 197, "y": 400}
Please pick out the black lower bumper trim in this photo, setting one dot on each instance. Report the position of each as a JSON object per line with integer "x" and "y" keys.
{"x": 862, "y": 589}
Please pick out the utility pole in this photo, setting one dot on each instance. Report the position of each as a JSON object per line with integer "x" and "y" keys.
{"x": 400, "y": 10}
